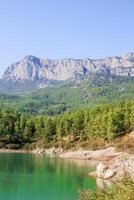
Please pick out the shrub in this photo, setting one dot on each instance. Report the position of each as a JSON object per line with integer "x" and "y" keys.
{"x": 123, "y": 190}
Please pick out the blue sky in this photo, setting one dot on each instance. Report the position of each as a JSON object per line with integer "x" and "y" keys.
{"x": 65, "y": 28}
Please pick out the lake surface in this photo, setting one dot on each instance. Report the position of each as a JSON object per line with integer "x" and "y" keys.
{"x": 35, "y": 177}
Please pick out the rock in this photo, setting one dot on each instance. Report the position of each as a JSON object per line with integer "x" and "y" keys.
{"x": 105, "y": 172}
{"x": 53, "y": 151}
{"x": 38, "y": 151}
{"x": 100, "y": 155}
{"x": 101, "y": 170}
{"x": 109, "y": 174}
{"x": 93, "y": 174}
{"x": 31, "y": 68}
{"x": 49, "y": 152}
{"x": 116, "y": 168}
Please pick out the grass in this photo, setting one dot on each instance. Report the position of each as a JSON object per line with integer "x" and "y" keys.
{"x": 123, "y": 190}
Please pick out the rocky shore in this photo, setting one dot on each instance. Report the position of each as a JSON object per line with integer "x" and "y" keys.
{"x": 14, "y": 151}
{"x": 116, "y": 167}
{"x": 110, "y": 164}
{"x": 98, "y": 155}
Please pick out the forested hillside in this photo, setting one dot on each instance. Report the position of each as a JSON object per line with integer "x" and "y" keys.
{"x": 71, "y": 95}
{"x": 104, "y": 121}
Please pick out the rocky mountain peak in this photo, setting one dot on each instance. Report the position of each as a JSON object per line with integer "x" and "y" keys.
{"x": 33, "y": 68}
{"x": 30, "y": 60}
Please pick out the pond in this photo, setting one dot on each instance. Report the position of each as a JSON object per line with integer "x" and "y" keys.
{"x": 36, "y": 177}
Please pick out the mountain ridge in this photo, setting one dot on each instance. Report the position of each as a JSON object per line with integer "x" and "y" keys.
{"x": 34, "y": 68}
{"x": 46, "y": 72}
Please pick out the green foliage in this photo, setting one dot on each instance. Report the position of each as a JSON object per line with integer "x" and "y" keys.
{"x": 106, "y": 121}
{"x": 119, "y": 191}
{"x": 71, "y": 95}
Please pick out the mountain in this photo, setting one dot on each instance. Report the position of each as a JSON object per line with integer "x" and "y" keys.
{"x": 37, "y": 73}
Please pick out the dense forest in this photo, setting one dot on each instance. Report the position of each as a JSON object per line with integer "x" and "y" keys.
{"x": 75, "y": 112}
{"x": 106, "y": 121}
{"x": 71, "y": 95}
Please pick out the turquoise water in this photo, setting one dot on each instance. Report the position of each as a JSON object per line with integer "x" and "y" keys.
{"x": 32, "y": 177}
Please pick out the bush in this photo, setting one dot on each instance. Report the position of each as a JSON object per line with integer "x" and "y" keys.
{"x": 120, "y": 191}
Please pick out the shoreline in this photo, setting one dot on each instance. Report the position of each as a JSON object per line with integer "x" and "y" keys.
{"x": 111, "y": 165}
{"x": 97, "y": 155}
{"x": 100, "y": 155}
{"x": 14, "y": 151}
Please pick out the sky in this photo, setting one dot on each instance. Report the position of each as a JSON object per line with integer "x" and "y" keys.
{"x": 65, "y": 28}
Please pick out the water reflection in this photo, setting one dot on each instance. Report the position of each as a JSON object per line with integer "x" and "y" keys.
{"x": 31, "y": 177}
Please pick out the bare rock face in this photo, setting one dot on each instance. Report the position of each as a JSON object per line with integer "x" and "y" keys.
{"x": 98, "y": 155}
{"x": 109, "y": 174}
{"x": 33, "y": 68}
{"x": 102, "y": 171}
{"x": 116, "y": 168}
{"x": 49, "y": 152}
{"x": 26, "y": 69}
